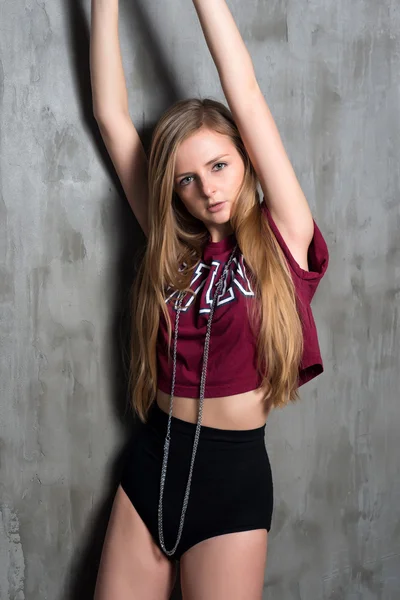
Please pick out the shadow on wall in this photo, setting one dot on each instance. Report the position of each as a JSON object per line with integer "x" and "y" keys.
{"x": 80, "y": 583}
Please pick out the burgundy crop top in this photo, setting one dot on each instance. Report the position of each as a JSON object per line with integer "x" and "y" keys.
{"x": 232, "y": 367}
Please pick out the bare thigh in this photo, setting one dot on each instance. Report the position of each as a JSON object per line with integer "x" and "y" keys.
{"x": 226, "y": 566}
{"x": 132, "y": 566}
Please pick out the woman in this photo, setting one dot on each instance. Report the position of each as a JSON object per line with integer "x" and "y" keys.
{"x": 197, "y": 485}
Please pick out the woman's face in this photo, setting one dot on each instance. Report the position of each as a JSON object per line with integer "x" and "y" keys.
{"x": 208, "y": 171}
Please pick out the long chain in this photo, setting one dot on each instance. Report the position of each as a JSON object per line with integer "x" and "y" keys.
{"x": 181, "y": 295}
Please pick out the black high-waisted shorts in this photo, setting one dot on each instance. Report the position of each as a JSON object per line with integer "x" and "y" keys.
{"x": 231, "y": 487}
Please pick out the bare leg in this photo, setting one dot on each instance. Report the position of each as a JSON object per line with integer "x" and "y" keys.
{"x": 226, "y": 566}
{"x": 132, "y": 566}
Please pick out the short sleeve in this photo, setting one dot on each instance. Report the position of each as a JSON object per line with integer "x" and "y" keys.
{"x": 318, "y": 257}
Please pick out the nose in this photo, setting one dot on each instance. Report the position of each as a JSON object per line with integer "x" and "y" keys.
{"x": 207, "y": 187}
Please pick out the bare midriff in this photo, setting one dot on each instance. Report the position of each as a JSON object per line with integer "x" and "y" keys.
{"x": 240, "y": 411}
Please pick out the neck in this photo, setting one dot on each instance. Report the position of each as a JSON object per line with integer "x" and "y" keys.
{"x": 220, "y": 233}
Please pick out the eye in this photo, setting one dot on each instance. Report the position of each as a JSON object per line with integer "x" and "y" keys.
{"x": 183, "y": 182}
{"x": 184, "y": 179}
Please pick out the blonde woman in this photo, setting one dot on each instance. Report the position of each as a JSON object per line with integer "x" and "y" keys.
{"x": 223, "y": 328}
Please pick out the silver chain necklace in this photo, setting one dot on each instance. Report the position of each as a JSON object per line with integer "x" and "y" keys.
{"x": 181, "y": 295}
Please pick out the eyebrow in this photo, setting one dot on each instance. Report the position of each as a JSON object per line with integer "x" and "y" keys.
{"x": 206, "y": 165}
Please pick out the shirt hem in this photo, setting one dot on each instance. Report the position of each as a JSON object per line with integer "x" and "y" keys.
{"x": 190, "y": 391}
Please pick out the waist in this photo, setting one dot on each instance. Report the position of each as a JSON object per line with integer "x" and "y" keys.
{"x": 242, "y": 411}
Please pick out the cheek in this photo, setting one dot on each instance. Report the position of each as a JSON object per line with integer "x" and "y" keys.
{"x": 238, "y": 175}
{"x": 183, "y": 197}
{"x": 189, "y": 203}
{"x": 190, "y": 197}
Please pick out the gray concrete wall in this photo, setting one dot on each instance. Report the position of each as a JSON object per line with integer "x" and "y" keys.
{"x": 330, "y": 72}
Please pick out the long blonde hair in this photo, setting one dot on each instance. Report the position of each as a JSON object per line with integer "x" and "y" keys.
{"x": 177, "y": 238}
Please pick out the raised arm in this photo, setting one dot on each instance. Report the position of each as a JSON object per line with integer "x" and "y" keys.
{"x": 110, "y": 108}
{"x": 282, "y": 191}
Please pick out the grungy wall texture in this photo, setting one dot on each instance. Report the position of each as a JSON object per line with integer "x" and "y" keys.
{"x": 68, "y": 246}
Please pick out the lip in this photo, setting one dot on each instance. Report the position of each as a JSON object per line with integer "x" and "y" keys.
{"x": 216, "y": 207}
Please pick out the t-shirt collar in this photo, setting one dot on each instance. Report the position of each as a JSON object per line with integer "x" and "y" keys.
{"x": 212, "y": 249}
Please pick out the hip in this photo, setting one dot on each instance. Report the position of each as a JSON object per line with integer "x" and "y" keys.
{"x": 221, "y": 453}
{"x": 231, "y": 487}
